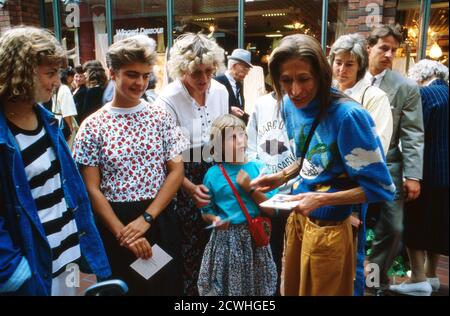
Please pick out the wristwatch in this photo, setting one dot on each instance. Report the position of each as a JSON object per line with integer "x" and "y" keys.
{"x": 148, "y": 217}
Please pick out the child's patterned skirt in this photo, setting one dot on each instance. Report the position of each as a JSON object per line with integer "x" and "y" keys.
{"x": 233, "y": 266}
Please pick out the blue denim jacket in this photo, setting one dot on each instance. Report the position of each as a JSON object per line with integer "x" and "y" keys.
{"x": 24, "y": 249}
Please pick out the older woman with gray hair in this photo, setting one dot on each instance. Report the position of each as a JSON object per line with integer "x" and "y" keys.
{"x": 426, "y": 218}
{"x": 349, "y": 60}
{"x": 426, "y": 71}
{"x": 195, "y": 100}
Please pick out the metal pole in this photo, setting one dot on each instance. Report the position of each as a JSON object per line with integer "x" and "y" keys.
{"x": 169, "y": 23}
{"x": 56, "y": 19}
{"x": 323, "y": 37}
{"x": 109, "y": 21}
{"x": 241, "y": 17}
{"x": 424, "y": 24}
{"x": 42, "y": 17}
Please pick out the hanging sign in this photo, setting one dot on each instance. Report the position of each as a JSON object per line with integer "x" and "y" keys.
{"x": 141, "y": 30}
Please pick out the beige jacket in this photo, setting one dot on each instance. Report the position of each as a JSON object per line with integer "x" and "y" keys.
{"x": 376, "y": 102}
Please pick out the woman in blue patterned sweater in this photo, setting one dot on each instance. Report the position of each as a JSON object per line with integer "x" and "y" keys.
{"x": 343, "y": 169}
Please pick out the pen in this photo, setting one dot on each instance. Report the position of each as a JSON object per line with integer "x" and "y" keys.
{"x": 262, "y": 171}
{"x": 228, "y": 219}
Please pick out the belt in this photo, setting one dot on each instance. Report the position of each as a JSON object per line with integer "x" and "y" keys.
{"x": 322, "y": 223}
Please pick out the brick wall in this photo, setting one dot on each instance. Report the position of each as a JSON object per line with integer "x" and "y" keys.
{"x": 5, "y": 20}
{"x": 362, "y": 13}
{"x": 87, "y": 38}
{"x": 19, "y": 12}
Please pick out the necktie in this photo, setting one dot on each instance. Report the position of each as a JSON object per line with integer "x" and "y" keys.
{"x": 238, "y": 92}
{"x": 373, "y": 81}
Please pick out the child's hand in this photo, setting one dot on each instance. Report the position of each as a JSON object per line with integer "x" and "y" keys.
{"x": 199, "y": 194}
{"x": 243, "y": 180}
{"x": 219, "y": 224}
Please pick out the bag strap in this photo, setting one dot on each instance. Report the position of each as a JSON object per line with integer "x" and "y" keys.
{"x": 236, "y": 193}
{"x": 308, "y": 141}
{"x": 364, "y": 94}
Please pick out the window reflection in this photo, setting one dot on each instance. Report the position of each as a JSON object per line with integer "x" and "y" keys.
{"x": 217, "y": 18}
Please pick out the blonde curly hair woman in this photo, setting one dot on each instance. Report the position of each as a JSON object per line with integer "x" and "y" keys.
{"x": 40, "y": 187}
{"x": 195, "y": 100}
{"x": 23, "y": 49}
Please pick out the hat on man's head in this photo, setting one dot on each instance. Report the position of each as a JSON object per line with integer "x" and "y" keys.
{"x": 242, "y": 55}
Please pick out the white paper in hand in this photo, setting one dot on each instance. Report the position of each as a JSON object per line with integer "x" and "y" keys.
{"x": 279, "y": 201}
{"x": 149, "y": 267}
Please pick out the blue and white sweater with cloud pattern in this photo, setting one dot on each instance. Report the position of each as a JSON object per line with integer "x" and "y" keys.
{"x": 345, "y": 152}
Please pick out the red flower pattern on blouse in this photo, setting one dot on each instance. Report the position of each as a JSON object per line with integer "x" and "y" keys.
{"x": 131, "y": 150}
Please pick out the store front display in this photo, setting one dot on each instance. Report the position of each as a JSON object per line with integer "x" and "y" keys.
{"x": 87, "y": 27}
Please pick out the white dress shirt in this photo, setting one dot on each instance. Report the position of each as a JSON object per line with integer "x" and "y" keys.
{"x": 231, "y": 80}
{"x": 378, "y": 78}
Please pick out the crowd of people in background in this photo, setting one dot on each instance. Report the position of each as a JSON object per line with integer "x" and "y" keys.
{"x": 97, "y": 168}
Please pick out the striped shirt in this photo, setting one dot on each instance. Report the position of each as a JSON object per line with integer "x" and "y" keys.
{"x": 435, "y": 121}
{"x": 43, "y": 173}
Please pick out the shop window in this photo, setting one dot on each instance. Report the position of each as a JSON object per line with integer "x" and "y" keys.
{"x": 145, "y": 17}
{"x": 83, "y": 30}
{"x": 437, "y": 33}
{"x": 48, "y": 16}
{"x": 216, "y": 18}
{"x": 266, "y": 22}
{"x": 351, "y": 16}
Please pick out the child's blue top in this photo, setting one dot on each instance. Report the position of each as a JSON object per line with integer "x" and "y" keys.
{"x": 345, "y": 152}
{"x": 223, "y": 201}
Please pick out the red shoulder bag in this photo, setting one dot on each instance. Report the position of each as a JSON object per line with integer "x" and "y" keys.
{"x": 260, "y": 227}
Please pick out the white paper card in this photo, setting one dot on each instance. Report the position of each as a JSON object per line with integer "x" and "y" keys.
{"x": 149, "y": 267}
{"x": 278, "y": 201}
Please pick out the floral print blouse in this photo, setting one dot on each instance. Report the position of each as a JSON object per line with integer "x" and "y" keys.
{"x": 131, "y": 147}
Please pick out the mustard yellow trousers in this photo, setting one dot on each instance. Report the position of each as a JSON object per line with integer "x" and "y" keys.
{"x": 319, "y": 259}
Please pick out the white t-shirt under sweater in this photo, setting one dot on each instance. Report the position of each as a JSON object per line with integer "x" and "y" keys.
{"x": 267, "y": 137}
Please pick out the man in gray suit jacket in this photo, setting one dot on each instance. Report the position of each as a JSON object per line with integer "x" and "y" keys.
{"x": 405, "y": 154}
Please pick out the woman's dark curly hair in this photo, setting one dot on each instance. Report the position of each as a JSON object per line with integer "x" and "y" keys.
{"x": 95, "y": 74}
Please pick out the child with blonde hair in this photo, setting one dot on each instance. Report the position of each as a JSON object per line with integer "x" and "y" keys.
{"x": 232, "y": 264}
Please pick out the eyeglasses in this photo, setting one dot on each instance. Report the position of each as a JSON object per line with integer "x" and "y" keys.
{"x": 208, "y": 72}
